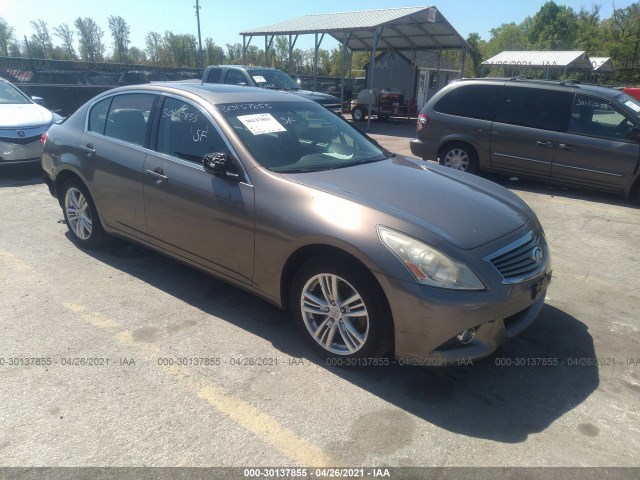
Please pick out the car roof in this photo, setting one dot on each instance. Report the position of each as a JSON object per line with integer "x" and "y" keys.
{"x": 568, "y": 85}
{"x": 215, "y": 93}
{"x": 243, "y": 67}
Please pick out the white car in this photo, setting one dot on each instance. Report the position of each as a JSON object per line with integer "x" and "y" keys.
{"x": 22, "y": 122}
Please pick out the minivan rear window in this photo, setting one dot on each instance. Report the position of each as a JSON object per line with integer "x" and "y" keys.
{"x": 534, "y": 107}
{"x": 473, "y": 101}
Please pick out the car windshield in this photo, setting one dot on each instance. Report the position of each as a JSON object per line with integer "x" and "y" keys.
{"x": 273, "y": 79}
{"x": 290, "y": 137}
{"x": 630, "y": 102}
{"x": 11, "y": 95}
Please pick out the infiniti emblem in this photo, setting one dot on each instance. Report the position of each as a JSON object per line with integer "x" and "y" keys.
{"x": 21, "y": 133}
{"x": 536, "y": 254}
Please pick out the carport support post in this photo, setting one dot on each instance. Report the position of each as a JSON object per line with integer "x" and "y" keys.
{"x": 291, "y": 45}
{"x": 464, "y": 61}
{"x": 372, "y": 65}
{"x": 315, "y": 60}
{"x": 267, "y": 45}
{"x": 344, "y": 54}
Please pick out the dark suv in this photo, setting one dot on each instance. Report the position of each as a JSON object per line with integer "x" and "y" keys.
{"x": 564, "y": 132}
{"x": 265, "y": 77}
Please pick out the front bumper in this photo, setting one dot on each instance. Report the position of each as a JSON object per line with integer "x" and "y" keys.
{"x": 428, "y": 320}
{"x": 12, "y": 153}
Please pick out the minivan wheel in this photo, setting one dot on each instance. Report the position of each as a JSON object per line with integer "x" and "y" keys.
{"x": 358, "y": 114}
{"x": 340, "y": 313}
{"x": 460, "y": 156}
{"x": 81, "y": 215}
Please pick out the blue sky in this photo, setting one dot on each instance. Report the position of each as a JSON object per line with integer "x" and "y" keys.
{"x": 222, "y": 20}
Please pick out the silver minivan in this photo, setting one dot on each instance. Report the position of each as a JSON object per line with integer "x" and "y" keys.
{"x": 563, "y": 132}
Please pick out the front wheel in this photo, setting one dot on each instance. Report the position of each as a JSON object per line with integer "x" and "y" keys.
{"x": 358, "y": 114}
{"x": 340, "y": 312}
{"x": 81, "y": 215}
{"x": 460, "y": 156}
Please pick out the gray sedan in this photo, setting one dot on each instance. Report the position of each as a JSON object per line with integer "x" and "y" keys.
{"x": 373, "y": 254}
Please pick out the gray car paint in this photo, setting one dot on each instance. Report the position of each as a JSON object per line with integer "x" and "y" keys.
{"x": 248, "y": 230}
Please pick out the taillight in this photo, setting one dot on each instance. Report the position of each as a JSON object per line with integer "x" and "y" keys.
{"x": 44, "y": 137}
{"x": 423, "y": 121}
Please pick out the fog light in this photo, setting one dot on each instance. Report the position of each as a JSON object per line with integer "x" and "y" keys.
{"x": 466, "y": 336}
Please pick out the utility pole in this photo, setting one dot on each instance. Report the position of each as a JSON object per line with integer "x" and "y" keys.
{"x": 200, "y": 61}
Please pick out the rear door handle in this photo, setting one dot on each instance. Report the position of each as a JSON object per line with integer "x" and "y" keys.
{"x": 157, "y": 174}
{"x": 566, "y": 147}
{"x": 88, "y": 149}
{"x": 544, "y": 144}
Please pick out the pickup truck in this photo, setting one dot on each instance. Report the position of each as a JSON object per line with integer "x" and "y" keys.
{"x": 265, "y": 77}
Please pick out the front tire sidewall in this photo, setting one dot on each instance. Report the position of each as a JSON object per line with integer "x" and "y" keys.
{"x": 380, "y": 333}
{"x": 97, "y": 236}
{"x": 358, "y": 114}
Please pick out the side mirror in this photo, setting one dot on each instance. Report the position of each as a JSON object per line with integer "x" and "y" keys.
{"x": 218, "y": 164}
{"x": 634, "y": 134}
{"x": 38, "y": 100}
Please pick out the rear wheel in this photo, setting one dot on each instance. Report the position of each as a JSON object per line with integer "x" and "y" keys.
{"x": 341, "y": 314}
{"x": 81, "y": 215}
{"x": 358, "y": 114}
{"x": 460, "y": 156}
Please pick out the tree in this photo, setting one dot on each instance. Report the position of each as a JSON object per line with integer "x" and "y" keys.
{"x": 136, "y": 55}
{"x": 120, "y": 32}
{"x": 507, "y": 36}
{"x": 6, "y": 37}
{"x": 476, "y": 45}
{"x": 214, "y": 54}
{"x": 90, "y": 36}
{"x": 154, "y": 47}
{"x": 182, "y": 49}
{"x": 622, "y": 41}
{"x": 64, "y": 33}
{"x": 41, "y": 44}
{"x": 553, "y": 28}
{"x": 234, "y": 53}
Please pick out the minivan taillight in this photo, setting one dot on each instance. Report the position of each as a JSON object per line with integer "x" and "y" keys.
{"x": 423, "y": 121}
{"x": 43, "y": 137}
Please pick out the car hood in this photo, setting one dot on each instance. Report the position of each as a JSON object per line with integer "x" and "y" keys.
{"x": 463, "y": 209}
{"x": 24, "y": 115}
{"x": 321, "y": 98}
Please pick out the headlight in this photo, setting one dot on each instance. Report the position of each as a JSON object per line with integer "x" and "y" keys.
{"x": 428, "y": 265}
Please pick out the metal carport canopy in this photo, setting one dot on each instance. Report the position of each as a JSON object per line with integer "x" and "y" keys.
{"x": 406, "y": 28}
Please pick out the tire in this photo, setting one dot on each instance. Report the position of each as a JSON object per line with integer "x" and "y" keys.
{"x": 81, "y": 215}
{"x": 460, "y": 156}
{"x": 358, "y": 114}
{"x": 322, "y": 317}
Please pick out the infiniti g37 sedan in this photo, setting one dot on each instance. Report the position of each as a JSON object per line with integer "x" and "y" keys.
{"x": 371, "y": 252}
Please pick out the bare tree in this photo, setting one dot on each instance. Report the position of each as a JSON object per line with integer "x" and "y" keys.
{"x": 90, "y": 35}
{"x": 41, "y": 40}
{"x": 120, "y": 33}
{"x": 6, "y": 36}
{"x": 65, "y": 34}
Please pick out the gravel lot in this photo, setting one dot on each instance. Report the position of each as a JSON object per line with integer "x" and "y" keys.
{"x": 145, "y": 362}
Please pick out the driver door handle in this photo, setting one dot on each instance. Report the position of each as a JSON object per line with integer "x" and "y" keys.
{"x": 544, "y": 144}
{"x": 566, "y": 147}
{"x": 157, "y": 174}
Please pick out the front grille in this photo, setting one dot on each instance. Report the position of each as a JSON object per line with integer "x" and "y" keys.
{"x": 522, "y": 260}
{"x": 20, "y": 140}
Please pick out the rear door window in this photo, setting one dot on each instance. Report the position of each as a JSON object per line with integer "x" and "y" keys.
{"x": 473, "y": 101}
{"x": 533, "y": 107}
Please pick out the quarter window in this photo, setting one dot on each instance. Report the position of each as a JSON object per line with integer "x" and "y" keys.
{"x": 596, "y": 117}
{"x": 98, "y": 116}
{"x": 473, "y": 101}
{"x": 185, "y": 132}
{"x": 533, "y": 107}
{"x": 129, "y": 116}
